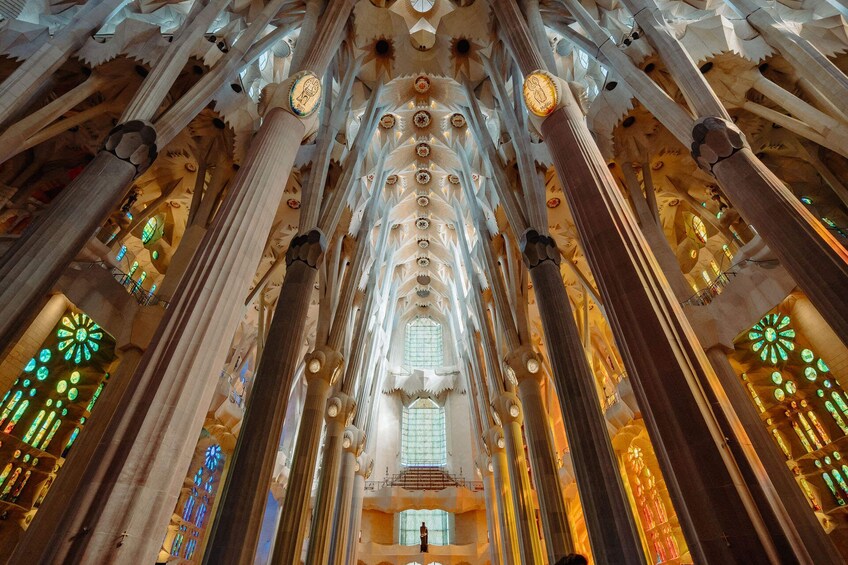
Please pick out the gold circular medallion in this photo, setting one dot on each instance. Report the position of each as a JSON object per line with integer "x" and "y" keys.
{"x": 540, "y": 93}
{"x": 305, "y": 94}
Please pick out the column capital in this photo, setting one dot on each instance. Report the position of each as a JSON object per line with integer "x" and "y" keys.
{"x": 538, "y": 248}
{"x": 134, "y": 142}
{"x": 523, "y": 364}
{"x": 307, "y": 248}
{"x": 323, "y": 363}
{"x": 714, "y": 140}
{"x": 364, "y": 465}
{"x": 494, "y": 439}
{"x": 353, "y": 440}
{"x": 340, "y": 409}
{"x": 508, "y": 408}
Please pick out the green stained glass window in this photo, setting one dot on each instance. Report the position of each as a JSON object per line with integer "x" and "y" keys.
{"x": 50, "y": 435}
{"x": 807, "y": 356}
{"x": 776, "y": 378}
{"x": 18, "y": 413}
{"x": 72, "y": 394}
{"x": 61, "y": 387}
{"x": 779, "y": 394}
{"x": 95, "y": 396}
{"x": 44, "y": 356}
{"x": 42, "y": 373}
{"x": 79, "y": 337}
{"x": 75, "y": 377}
{"x": 34, "y": 426}
{"x": 30, "y": 367}
{"x": 149, "y": 230}
{"x": 810, "y": 373}
{"x": 822, "y": 366}
{"x": 423, "y": 344}
{"x": 790, "y": 387}
{"x": 424, "y": 440}
{"x": 772, "y": 338}
{"x": 10, "y": 406}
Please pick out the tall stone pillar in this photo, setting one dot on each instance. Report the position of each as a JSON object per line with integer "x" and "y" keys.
{"x": 508, "y": 408}
{"x": 778, "y": 485}
{"x": 609, "y": 519}
{"x": 131, "y": 487}
{"x": 503, "y": 492}
{"x": 492, "y": 509}
{"x": 364, "y": 466}
{"x": 322, "y": 370}
{"x": 340, "y": 411}
{"x": 36, "y": 259}
{"x": 807, "y": 250}
{"x": 524, "y": 369}
{"x": 339, "y": 530}
{"x": 663, "y": 358}
{"x": 239, "y": 517}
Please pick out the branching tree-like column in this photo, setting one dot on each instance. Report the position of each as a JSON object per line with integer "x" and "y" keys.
{"x": 664, "y": 360}
{"x": 323, "y": 367}
{"x": 810, "y": 252}
{"x": 338, "y": 533}
{"x": 509, "y": 410}
{"x": 511, "y": 552}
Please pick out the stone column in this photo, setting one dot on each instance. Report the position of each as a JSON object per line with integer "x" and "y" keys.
{"x": 664, "y": 361}
{"x": 524, "y": 368}
{"x": 36, "y": 259}
{"x": 322, "y": 370}
{"x": 810, "y": 252}
{"x": 503, "y": 492}
{"x": 778, "y": 484}
{"x": 609, "y": 519}
{"x": 339, "y": 532}
{"x": 508, "y": 408}
{"x": 364, "y": 466}
{"x": 19, "y": 87}
{"x": 340, "y": 411}
{"x": 492, "y": 510}
{"x": 130, "y": 484}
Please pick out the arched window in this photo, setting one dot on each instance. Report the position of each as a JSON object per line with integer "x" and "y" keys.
{"x": 423, "y": 441}
{"x": 423, "y": 344}
{"x": 196, "y": 507}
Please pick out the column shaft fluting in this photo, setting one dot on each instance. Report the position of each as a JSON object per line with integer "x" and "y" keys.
{"x": 506, "y": 516}
{"x": 133, "y": 487}
{"x": 663, "y": 358}
{"x": 340, "y": 528}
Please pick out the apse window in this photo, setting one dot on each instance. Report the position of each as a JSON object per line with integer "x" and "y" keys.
{"x": 423, "y": 344}
{"x": 423, "y": 436}
{"x": 438, "y": 527}
{"x": 422, "y": 6}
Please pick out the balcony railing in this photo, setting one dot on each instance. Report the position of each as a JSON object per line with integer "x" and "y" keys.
{"x": 429, "y": 478}
{"x": 143, "y": 297}
{"x": 707, "y": 295}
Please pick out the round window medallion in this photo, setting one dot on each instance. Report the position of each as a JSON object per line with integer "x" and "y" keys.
{"x": 453, "y": 179}
{"x": 422, "y": 176}
{"x": 293, "y": 204}
{"x": 422, "y": 223}
{"x": 387, "y": 121}
{"x": 457, "y": 120}
{"x": 391, "y": 179}
{"x": 422, "y": 150}
{"x": 423, "y": 201}
{"x": 305, "y": 94}
{"x": 423, "y": 261}
{"x": 422, "y": 84}
{"x": 423, "y": 243}
{"x": 423, "y": 280}
{"x": 554, "y": 202}
{"x": 421, "y": 119}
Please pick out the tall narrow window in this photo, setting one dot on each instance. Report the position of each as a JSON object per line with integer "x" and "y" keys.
{"x": 423, "y": 344}
{"x": 424, "y": 442}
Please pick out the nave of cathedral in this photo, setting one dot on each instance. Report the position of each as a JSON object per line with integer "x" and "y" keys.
{"x": 423, "y": 282}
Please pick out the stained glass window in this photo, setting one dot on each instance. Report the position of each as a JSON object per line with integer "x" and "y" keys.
{"x": 772, "y": 338}
{"x": 423, "y": 344}
{"x": 699, "y": 230}
{"x": 121, "y": 253}
{"x": 423, "y": 441}
{"x": 79, "y": 337}
{"x": 149, "y": 230}
{"x": 438, "y": 527}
